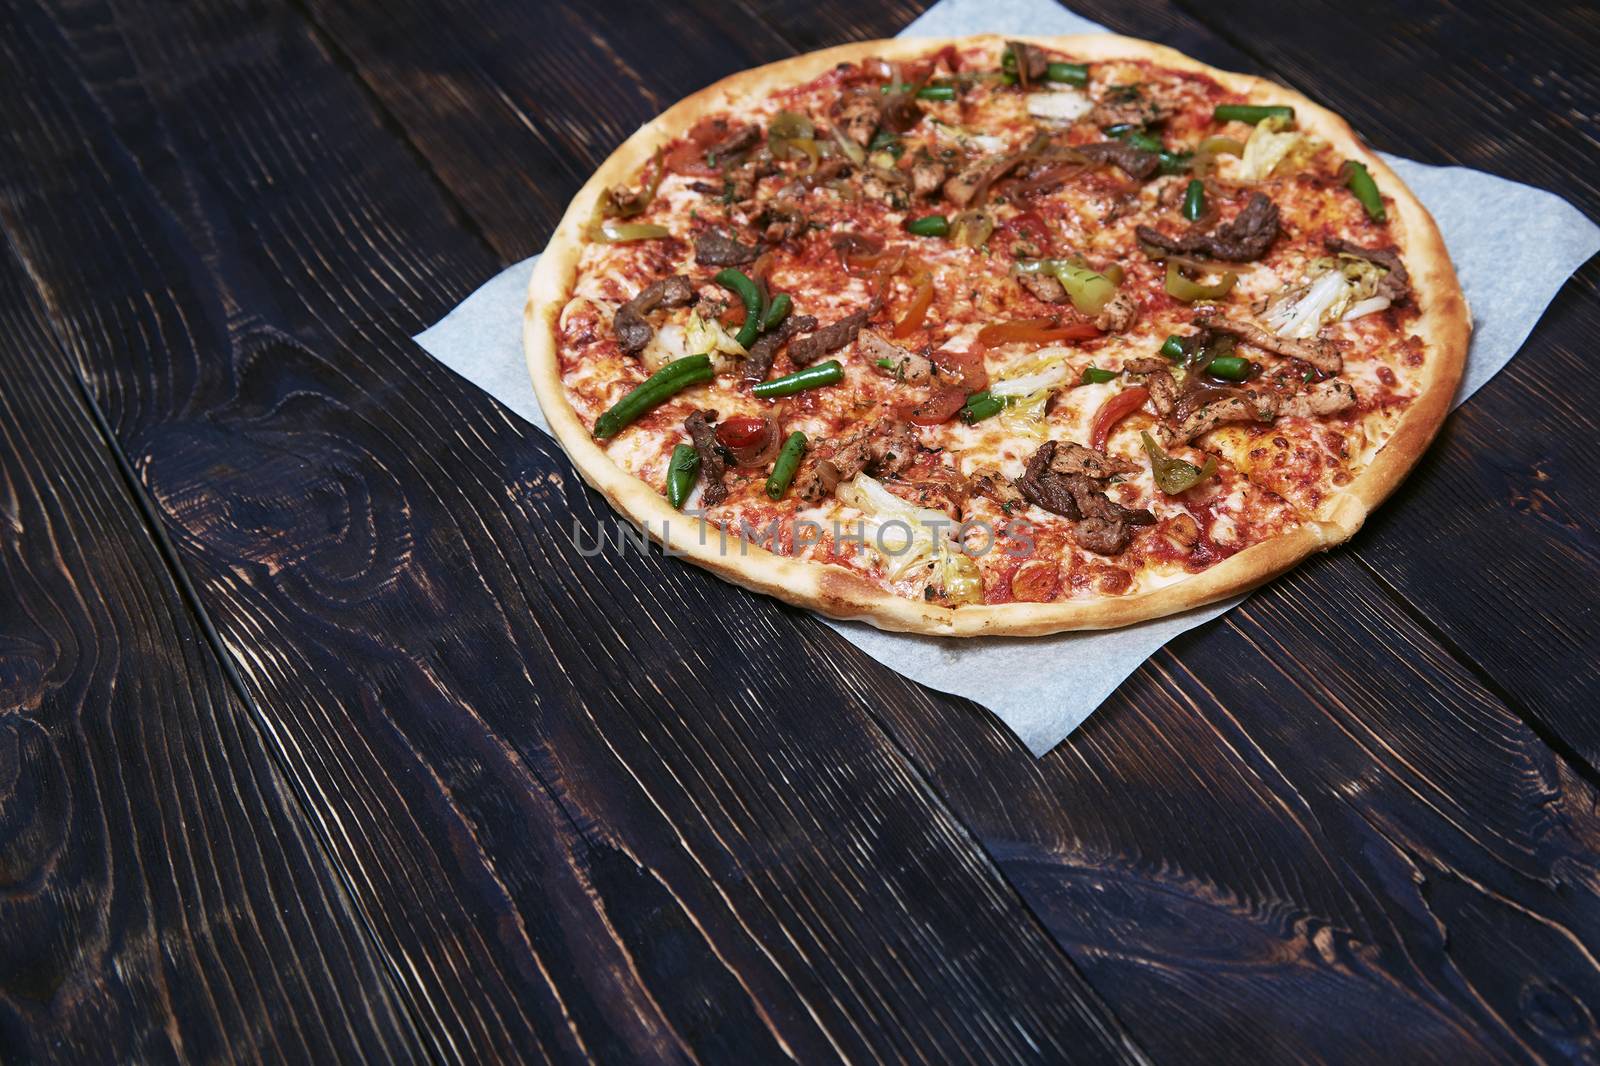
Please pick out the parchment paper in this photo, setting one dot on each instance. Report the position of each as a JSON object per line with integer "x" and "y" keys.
{"x": 1513, "y": 245}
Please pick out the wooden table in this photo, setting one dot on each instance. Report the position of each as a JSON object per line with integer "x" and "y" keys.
{"x": 318, "y": 739}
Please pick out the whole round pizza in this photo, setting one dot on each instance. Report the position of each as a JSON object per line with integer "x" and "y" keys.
{"x": 989, "y": 336}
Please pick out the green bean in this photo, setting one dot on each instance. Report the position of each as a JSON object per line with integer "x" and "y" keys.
{"x": 829, "y": 373}
{"x": 1143, "y": 141}
{"x": 1229, "y": 367}
{"x": 783, "y": 470}
{"x": 1093, "y": 375}
{"x": 682, "y": 471}
{"x": 1359, "y": 181}
{"x": 1071, "y": 73}
{"x": 981, "y": 405}
{"x": 927, "y": 92}
{"x": 929, "y": 226}
{"x": 1251, "y": 113}
{"x": 652, "y": 392}
{"x": 1194, "y": 199}
{"x": 737, "y": 282}
{"x": 776, "y": 311}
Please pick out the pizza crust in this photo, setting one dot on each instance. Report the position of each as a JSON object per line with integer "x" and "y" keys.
{"x": 1444, "y": 325}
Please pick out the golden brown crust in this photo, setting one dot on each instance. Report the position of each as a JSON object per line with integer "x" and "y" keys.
{"x": 1444, "y": 326}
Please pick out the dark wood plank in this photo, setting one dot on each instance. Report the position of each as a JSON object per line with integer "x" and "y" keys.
{"x": 588, "y": 822}
{"x": 1492, "y": 533}
{"x": 162, "y": 897}
{"x": 1304, "y": 834}
{"x": 1184, "y": 845}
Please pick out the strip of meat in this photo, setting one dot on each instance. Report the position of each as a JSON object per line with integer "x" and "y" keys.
{"x": 713, "y": 467}
{"x": 758, "y": 364}
{"x": 858, "y": 115}
{"x": 1118, "y": 315}
{"x": 1057, "y": 479}
{"x": 898, "y": 111}
{"x": 1247, "y": 237}
{"x": 1158, "y": 379}
{"x": 1128, "y": 105}
{"x": 737, "y": 140}
{"x": 885, "y": 447}
{"x": 831, "y": 338}
{"x": 781, "y": 220}
{"x": 971, "y": 186}
{"x": 1135, "y": 162}
{"x": 997, "y": 487}
{"x": 1396, "y": 284}
{"x": 1320, "y": 352}
{"x": 1043, "y": 489}
{"x": 1044, "y": 286}
{"x": 927, "y": 175}
{"x": 1251, "y": 407}
{"x": 629, "y": 324}
{"x": 717, "y": 247}
{"x": 1032, "y": 64}
{"x": 1071, "y": 458}
{"x": 908, "y": 366}
{"x": 1323, "y": 398}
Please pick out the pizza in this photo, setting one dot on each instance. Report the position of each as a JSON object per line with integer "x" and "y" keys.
{"x": 992, "y": 336}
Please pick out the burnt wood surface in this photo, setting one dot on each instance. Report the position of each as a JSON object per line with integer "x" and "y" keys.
{"x": 321, "y": 739}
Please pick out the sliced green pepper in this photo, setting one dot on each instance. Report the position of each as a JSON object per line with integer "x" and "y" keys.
{"x": 1173, "y": 476}
{"x": 1182, "y": 287}
{"x": 929, "y": 226}
{"x": 739, "y": 283}
{"x": 1173, "y": 349}
{"x": 613, "y": 232}
{"x": 794, "y": 446}
{"x": 1251, "y": 113}
{"x": 1089, "y": 290}
{"x": 652, "y": 392}
{"x": 1194, "y": 199}
{"x": 829, "y": 373}
{"x": 1093, "y": 375}
{"x": 1359, "y": 181}
{"x": 682, "y": 470}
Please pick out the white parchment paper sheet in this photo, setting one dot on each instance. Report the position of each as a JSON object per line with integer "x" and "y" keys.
{"x": 1513, "y": 245}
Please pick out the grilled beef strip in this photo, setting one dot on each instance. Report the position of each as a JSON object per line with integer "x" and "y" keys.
{"x": 758, "y": 364}
{"x": 1100, "y": 524}
{"x": 717, "y": 247}
{"x": 1319, "y": 352}
{"x": 830, "y": 338}
{"x": 1247, "y": 237}
{"x": 629, "y": 324}
{"x": 1396, "y": 284}
{"x": 713, "y": 466}
{"x": 1135, "y": 162}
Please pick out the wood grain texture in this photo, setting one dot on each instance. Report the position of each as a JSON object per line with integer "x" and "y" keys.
{"x": 162, "y": 898}
{"x": 1491, "y": 534}
{"x": 1324, "y": 860}
{"x": 581, "y": 825}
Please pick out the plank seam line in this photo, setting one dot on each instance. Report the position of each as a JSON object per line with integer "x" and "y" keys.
{"x": 1565, "y": 751}
{"x": 1580, "y": 765}
{"x": 328, "y": 43}
{"x": 270, "y": 745}
{"x": 460, "y": 214}
{"x": 942, "y": 803}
